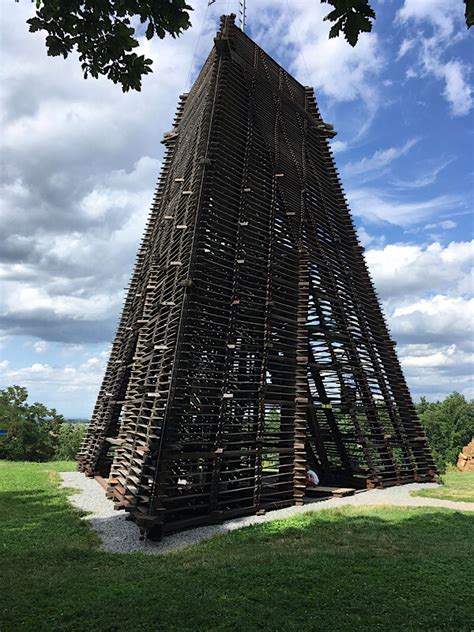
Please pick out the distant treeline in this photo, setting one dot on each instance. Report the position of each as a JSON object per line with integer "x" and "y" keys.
{"x": 33, "y": 432}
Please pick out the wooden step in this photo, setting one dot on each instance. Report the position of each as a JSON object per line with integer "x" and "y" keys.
{"x": 102, "y": 482}
{"x": 338, "y": 492}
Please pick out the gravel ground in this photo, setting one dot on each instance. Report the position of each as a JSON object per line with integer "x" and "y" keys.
{"x": 119, "y": 535}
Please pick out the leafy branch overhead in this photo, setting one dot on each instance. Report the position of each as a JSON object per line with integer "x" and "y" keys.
{"x": 105, "y": 32}
{"x": 352, "y": 17}
{"x": 102, "y": 33}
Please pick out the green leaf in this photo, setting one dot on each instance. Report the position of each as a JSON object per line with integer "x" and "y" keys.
{"x": 352, "y": 17}
{"x": 150, "y": 31}
{"x": 336, "y": 29}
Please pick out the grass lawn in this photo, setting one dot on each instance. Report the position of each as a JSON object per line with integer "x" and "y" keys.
{"x": 348, "y": 569}
{"x": 456, "y": 486}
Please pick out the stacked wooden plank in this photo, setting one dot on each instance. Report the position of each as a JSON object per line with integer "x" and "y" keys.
{"x": 251, "y": 345}
{"x": 466, "y": 458}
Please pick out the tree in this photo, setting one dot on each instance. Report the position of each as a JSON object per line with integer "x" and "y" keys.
{"x": 32, "y": 431}
{"x": 449, "y": 426}
{"x": 103, "y": 34}
{"x": 69, "y": 441}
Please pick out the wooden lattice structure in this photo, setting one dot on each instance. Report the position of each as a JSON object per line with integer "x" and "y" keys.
{"x": 251, "y": 345}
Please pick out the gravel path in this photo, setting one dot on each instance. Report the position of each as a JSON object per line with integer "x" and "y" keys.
{"x": 121, "y": 536}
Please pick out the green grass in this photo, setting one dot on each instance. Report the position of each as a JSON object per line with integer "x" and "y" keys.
{"x": 458, "y": 486}
{"x": 354, "y": 569}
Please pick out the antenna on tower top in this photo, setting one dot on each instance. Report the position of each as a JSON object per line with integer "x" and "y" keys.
{"x": 242, "y": 12}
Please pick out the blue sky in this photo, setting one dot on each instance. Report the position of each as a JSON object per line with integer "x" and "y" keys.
{"x": 80, "y": 160}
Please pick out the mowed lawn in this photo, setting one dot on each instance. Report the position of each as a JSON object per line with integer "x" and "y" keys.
{"x": 457, "y": 486}
{"x": 349, "y": 569}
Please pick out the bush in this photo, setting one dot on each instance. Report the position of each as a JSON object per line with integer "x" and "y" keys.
{"x": 449, "y": 426}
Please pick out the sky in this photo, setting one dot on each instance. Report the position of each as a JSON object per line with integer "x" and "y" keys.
{"x": 80, "y": 160}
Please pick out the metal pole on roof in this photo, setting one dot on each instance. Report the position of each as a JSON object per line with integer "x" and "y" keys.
{"x": 242, "y": 13}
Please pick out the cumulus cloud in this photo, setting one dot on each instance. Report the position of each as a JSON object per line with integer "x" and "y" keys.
{"x": 444, "y": 357}
{"x": 407, "y": 270}
{"x": 433, "y": 371}
{"x": 65, "y": 387}
{"x": 67, "y": 284}
{"x": 427, "y": 297}
{"x": 81, "y": 160}
{"x": 440, "y": 319}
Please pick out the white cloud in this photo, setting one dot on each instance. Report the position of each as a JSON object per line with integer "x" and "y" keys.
{"x": 445, "y": 225}
{"x": 438, "y": 371}
{"x": 427, "y": 294}
{"x": 442, "y": 15}
{"x": 405, "y": 46}
{"x": 67, "y": 388}
{"x": 445, "y": 21}
{"x": 21, "y": 298}
{"x": 437, "y": 357}
{"x": 338, "y": 146}
{"x": 374, "y": 205}
{"x": 40, "y": 346}
{"x": 425, "y": 179}
{"x": 379, "y": 160}
{"x": 364, "y": 237}
{"x": 457, "y": 91}
{"x": 440, "y": 318}
{"x": 437, "y": 344}
{"x": 402, "y": 270}
{"x": 81, "y": 160}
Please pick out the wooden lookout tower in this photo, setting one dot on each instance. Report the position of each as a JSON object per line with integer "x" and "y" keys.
{"x": 252, "y": 346}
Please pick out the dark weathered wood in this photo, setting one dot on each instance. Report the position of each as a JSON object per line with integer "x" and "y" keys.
{"x": 251, "y": 344}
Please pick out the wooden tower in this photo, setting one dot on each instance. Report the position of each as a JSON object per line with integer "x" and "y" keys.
{"x": 251, "y": 345}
